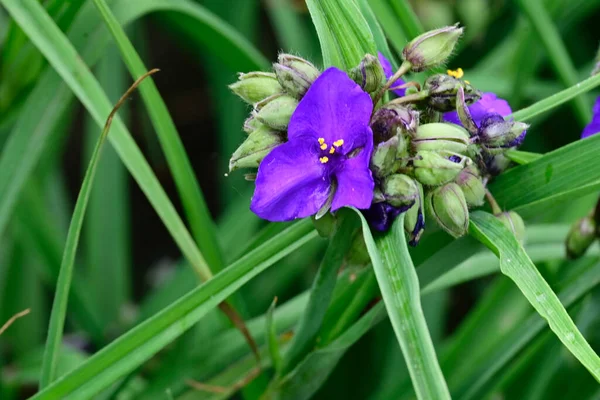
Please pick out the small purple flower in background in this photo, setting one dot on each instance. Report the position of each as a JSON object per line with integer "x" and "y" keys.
{"x": 594, "y": 126}
{"x": 329, "y": 148}
{"x": 388, "y": 71}
{"x": 382, "y": 215}
{"x": 488, "y": 104}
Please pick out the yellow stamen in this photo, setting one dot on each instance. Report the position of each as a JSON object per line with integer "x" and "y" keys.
{"x": 338, "y": 143}
{"x": 467, "y": 82}
{"x": 332, "y": 150}
{"x": 321, "y": 140}
{"x": 324, "y": 160}
{"x": 323, "y": 146}
{"x": 458, "y": 73}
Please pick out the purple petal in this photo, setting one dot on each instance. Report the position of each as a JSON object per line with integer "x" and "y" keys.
{"x": 594, "y": 126}
{"x": 291, "y": 182}
{"x": 489, "y": 103}
{"x": 389, "y": 71}
{"x": 334, "y": 108}
{"x": 354, "y": 178}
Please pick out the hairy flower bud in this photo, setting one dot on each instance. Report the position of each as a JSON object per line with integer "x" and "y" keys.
{"x": 256, "y": 146}
{"x": 393, "y": 119}
{"x": 414, "y": 219}
{"x": 369, "y": 74}
{"x": 441, "y": 136}
{"x": 276, "y": 111}
{"x": 254, "y": 87}
{"x": 447, "y": 205}
{"x": 400, "y": 190}
{"x": 431, "y": 48}
{"x": 470, "y": 182}
{"x": 251, "y": 123}
{"x": 295, "y": 74}
{"x": 443, "y": 90}
{"x": 580, "y": 237}
{"x": 514, "y": 223}
{"x": 383, "y": 160}
{"x": 497, "y": 133}
{"x": 495, "y": 164}
{"x": 433, "y": 168}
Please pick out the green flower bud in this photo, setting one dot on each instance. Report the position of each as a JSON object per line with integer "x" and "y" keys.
{"x": 369, "y": 74}
{"x": 514, "y": 223}
{"x": 400, "y": 190}
{"x": 470, "y": 182}
{"x": 431, "y": 48}
{"x": 383, "y": 160}
{"x": 251, "y": 123}
{"x": 443, "y": 90}
{"x": 295, "y": 74}
{"x": 393, "y": 119}
{"x": 441, "y": 136}
{"x": 433, "y": 168}
{"x": 580, "y": 237}
{"x": 256, "y": 146}
{"x": 447, "y": 205}
{"x": 276, "y": 111}
{"x": 254, "y": 87}
{"x": 497, "y": 133}
{"x": 414, "y": 219}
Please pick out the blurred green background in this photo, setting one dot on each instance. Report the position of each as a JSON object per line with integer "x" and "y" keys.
{"x": 128, "y": 266}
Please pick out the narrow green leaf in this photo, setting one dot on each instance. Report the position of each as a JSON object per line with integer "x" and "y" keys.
{"x": 515, "y": 264}
{"x": 408, "y": 19}
{"x": 344, "y": 34}
{"x": 399, "y": 286}
{"x": 292, "y": 31}
{"x": 557, "y": 99}
{"x": 559, "y": 56}
{"x": 272, "y": 339}
{"x": 321, "y": 291}
{"x": 378, "y": 35}
{"x": 191, "y": 196}
{"x": 63, "y": 57}
{"x": 522, "y": 157}
{"x": 65, "y": 276}
{"x": 390, "y": 24}
{"x": 139, "y": 344}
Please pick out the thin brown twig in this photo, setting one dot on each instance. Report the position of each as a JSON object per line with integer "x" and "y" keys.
{"x": 13, "y": 319}
{"x": 240, "y": 324}
{"x": 205, "y": 387}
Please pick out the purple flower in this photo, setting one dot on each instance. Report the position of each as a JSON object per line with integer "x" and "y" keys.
{"x": 594, "y": 126}
{"x": 389, "y": 72}
{"x": 382, "y": 215}
{"x": 329, "y": 147}
{"x": 488, "y": 104}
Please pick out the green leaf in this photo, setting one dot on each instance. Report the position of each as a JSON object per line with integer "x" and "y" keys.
{"x": 344, "y": 34}
{"x": 378, "y": 35}
{"x": 399, "y": 286}
{"x": 408, "y": 19}
{"x": 272, "y": 339}
{"x": 515, "y": 264}
{"x": 321, "y": 291}
{"x": 566, "y": 173}
{"x": 139, "y": 344}
{"x": 522, "y": 157}
{"x": 63, "y": 57}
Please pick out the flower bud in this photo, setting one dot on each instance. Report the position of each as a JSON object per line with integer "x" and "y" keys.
{"x": 392, "y": 119}
{"x": 580, "y": 237}
{"x": 251, "y": 123}
{"x": 443, "y": 90}
{"x": 433, "y": 168}
{"x": 447, "y": 205}
{"x": 369, "y": 74}
{"x": 431, "y": 48}
{"x": 254, "y": 87}
{"x": 441, "y": 136}
{"x": 497, "y": 133}
{"x": 276, "y": 111}
{"x": 383, "y": 160}
{"x": 514, "y": 223}
{"x": 414, "y": 220}
{"x": 495, "y": 164}
{"x": 256, "y": 146}
{"x": 295, "y": 74}
{"x": 400, "y": 190}
{"x": 470, "y": 182}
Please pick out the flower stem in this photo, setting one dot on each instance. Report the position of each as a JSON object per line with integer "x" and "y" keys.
{"x": 493, "y": 203}
{"x": 404, "y": 68}
{"x": 411, "y": 97}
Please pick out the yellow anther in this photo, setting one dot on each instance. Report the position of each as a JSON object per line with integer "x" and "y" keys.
{"x": 324, "y": 160}
{"x": 338, "y": 143}
{"x": 323, "y": 146}
{"x": 321, "y": 140}
{"x": 458, "y": 73}
{"x": 332, "y": 150}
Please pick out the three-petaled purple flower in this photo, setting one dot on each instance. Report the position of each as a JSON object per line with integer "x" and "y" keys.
{"x": 594, "y": 126}
{"x": 327, "y": 154}
{"x": 488, "y": 104}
